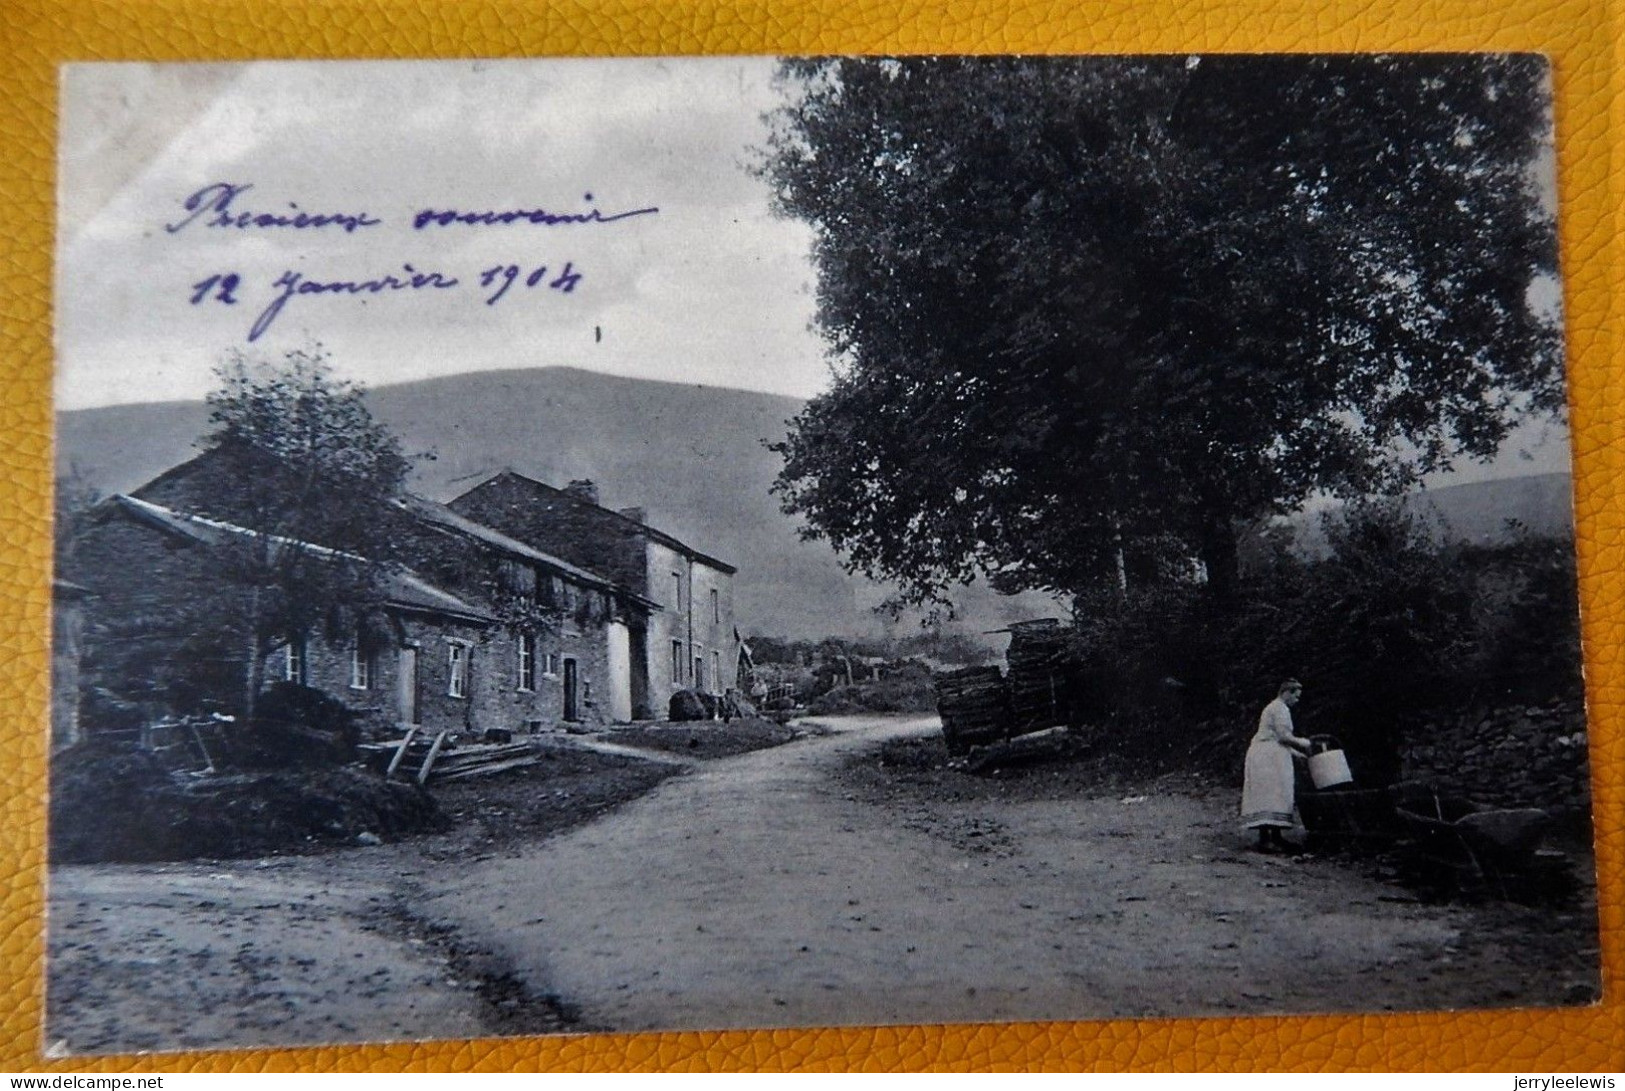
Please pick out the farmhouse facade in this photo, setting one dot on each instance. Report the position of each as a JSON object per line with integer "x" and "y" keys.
{"x": 480, "y": 630}
{"x": 691, "y": 640}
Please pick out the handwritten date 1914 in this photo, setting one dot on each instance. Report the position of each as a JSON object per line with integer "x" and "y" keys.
{"x": 566, "y": 281}
{"x": 227, "y": 287}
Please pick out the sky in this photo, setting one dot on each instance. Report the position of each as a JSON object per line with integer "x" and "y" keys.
{"x": 710, "y": 289}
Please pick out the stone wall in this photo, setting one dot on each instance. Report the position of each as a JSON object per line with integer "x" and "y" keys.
{"x": 1521, "y": 756}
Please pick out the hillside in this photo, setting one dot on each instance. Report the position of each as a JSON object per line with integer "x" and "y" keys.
{"x": 694, "y": 457}
{"x": 1478, "y": 512}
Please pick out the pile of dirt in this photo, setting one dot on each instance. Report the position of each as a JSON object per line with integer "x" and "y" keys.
{"x": 120, "y": 804}
{"x": 708, "y": 739}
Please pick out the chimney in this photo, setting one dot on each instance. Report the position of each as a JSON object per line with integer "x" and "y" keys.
{"x": 583, "y": 490}
{"x": 634, "y": 514}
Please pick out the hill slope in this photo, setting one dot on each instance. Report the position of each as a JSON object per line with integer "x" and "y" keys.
{"x": 694, "y": 457}
{"x": 1477, "y": 512}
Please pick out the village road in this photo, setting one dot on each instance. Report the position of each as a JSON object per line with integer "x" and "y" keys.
{"x": 758, "y": 892}
{"x": 787, "y": 886}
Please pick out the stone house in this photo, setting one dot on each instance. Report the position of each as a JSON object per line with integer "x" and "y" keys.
{"x": 688, "y": 641}
{"x": 479, "y": 631}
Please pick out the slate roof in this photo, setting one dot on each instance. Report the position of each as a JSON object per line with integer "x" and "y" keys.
{"x": 402, "y": 587}
{"x": 610, "y": 515}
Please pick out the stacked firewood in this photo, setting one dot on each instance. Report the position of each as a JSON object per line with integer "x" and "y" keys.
{"x": 1041, "y": 676}
{"x": 974, "y": 705}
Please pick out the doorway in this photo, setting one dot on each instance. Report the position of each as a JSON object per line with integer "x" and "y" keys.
{"x": 572, "y": 710}
{"x": 407, "y": 687}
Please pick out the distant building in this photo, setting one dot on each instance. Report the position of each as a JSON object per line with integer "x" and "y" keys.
{"x": 689, "y": 642}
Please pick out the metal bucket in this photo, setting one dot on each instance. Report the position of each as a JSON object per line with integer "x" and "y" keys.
{"x": 1328, "y": 767}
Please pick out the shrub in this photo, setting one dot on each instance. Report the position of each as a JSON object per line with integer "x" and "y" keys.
{"x": 686, "y": 705}
{"x": 907, "y": 689}
{"x": 295, "y": 726}
{"x": 1388, "y": 625}
{"x": 116, "y": 802}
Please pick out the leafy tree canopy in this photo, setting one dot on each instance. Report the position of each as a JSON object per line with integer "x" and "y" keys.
{"x": 1077, "y": 306}
{"x": 295, "y": 457}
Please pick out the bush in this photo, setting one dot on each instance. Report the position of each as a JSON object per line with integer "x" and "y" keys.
{"x": 907, "y": 689}
{"x": 1386, "y": 627}
{"x": 687, "y": 705}
{"x": 295, "y": 727}
{"x": 118, "y": 803}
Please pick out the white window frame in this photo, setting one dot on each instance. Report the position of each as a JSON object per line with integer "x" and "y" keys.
{"x": 295, "y": 662}
{"x": 527, "y": 662}
{"x": 361, "y": 667}
{"x": 550, "y": 665}
{"x": 458, "y": 655}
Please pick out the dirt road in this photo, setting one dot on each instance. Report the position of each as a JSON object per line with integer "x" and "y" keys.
{"x": 760, "y": 893}
{"x": 773, "y": 889}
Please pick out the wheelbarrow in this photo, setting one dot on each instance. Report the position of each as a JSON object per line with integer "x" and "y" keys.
{"x": 1492, "y": 847}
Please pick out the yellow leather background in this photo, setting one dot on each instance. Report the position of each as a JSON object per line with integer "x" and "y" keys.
{"x": 1584, "y": 38}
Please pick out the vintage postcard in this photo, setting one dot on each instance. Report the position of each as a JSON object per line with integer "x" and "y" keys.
{"x": 610, "y": 545}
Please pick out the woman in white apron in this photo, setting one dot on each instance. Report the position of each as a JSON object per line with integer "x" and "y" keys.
{"x": 1267, "y": 794}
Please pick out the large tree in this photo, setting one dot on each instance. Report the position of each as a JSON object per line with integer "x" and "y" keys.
{"x": 1083, "y": 308}
{"x": 295, "y": 458}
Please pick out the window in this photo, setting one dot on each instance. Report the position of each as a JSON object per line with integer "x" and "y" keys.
{"x": 677, "y": 661}
{"x": 716, "y": 671}
{"x": 550, "y": 665}
{"x": 527, "y": 661}
{"x": 699, "y": 671}
{"x": 458, "y": 686}
{"x": 676, "y": 590}
{"x": 361, "y": 666}
{"x": 293, "y": 665}
{"x": 716, "y": 607}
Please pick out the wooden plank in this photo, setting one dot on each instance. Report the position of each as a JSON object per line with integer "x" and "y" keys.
{"x": 400, "y": 752}
{"x": 1036, "y": 746}
{"x": 492, "y": 767}
{"x": 434, "y": 752}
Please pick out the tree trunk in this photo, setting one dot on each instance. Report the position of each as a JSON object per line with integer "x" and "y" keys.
{"x": 1220, "y": 558}
{"x": 254, "y": 669}
{"x": 1121, "y": 559}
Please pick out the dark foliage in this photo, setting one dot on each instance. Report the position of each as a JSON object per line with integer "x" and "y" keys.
{"x": 1086, "y": 311}
{"x": 296, "y": 459}
{"x": 295, "y": 727}
{"x": 686, "y": 705}
{"x": 119, "y": 803}
{"x": 1388, "y": 628}
{"x": 904, "y": 688}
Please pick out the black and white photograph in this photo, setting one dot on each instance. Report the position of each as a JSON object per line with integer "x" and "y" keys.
{"x": 567, "y": 546}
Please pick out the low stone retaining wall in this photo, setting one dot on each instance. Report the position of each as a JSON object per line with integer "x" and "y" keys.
{"x": 1521, "y": 756}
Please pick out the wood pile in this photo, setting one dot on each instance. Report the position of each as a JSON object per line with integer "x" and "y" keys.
{"x": 1041, "y": 675}
{"x": 1037, "y": 746}
{"x": 442, "y": 757}
{"x": 974, "y": 705}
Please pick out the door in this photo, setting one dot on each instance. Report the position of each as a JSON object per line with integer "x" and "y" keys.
{"x": 620, "y": 671}
{"x": 572, "y": 710}
{"x": 407, "y": 686}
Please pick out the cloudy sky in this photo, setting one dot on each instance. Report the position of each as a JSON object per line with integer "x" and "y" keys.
{"x": 711, "y": 288}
